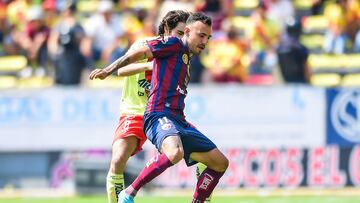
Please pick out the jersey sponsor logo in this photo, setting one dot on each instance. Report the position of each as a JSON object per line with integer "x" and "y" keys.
{"x": 118, "y": 188}
{"x": 345, "y": 115}
{"x": 146, "y": 85}
{"x": 180, "y": 90}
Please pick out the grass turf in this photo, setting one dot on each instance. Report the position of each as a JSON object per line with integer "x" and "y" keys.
{"x": 147, "y": 199}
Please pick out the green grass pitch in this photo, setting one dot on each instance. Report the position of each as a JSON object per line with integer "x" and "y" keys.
{"x": 187, "y": 199}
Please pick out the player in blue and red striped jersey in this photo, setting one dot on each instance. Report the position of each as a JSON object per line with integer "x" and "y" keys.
{"x": 164, "y": 120}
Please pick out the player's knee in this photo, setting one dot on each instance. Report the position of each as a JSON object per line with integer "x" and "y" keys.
{"x": 119, "y": 159}
{"x": 224, "y": 164}
{"x": 221, "y": 164}
{"x": 175, "y": 155}
{"x": 118, "y": 162}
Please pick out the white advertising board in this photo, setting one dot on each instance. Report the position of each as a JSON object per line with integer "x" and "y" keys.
{"x": 232, "y": 116}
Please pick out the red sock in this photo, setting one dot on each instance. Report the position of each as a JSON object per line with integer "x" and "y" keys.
{"x": 206, "y": 184}
{"x": 153, "y": 168}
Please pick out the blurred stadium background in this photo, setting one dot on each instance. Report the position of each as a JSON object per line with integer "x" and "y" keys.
{"x": 286, "y": 115}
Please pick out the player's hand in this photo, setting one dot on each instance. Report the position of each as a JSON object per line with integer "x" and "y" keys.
{"x": 98, "y": 73}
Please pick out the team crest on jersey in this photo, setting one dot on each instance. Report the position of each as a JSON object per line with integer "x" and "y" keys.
{"x": 185, "y": 58}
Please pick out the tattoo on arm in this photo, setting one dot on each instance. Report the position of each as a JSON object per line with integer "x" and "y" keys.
{"x": 121, "y": 62}
{"x": 126, "y": 60}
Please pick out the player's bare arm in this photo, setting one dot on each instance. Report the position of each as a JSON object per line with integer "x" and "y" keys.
{"x": 134, "y": 68}
{"x": 128, "y": 58}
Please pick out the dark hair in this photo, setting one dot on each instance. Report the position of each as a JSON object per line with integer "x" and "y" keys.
{"x": 172, "y": 19}
{"x": 293, "y": 27}
{"x": 199, "y": 17}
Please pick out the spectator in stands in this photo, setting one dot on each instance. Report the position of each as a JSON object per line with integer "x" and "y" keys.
{"x": 352, "y": 17}
{"x": 103, "y": 34}
{"x": 50, "y": 12}
{"x": 17, "y": 13}
{"x": 226, "y": 66}
{"x": 7, "y": 45}
{"x": 280, "y": 10}
{"x": 292, "y": 55}
{"x": 336, "y": 36}
{"x": 63, "y": 46}
{"x": 34, "y": 38}
{"x": 317, "y": 7}
{"x": 264, "y": 37}
{"x": 218, "y": 10}
{"x": 357, "y": 43}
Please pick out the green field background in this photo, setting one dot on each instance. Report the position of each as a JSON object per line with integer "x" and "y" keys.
{"x": 187, "y": 199}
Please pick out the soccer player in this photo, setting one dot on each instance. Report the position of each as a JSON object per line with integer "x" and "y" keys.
{"x": 129, "y": 135}
{"x": 164, "y": 119}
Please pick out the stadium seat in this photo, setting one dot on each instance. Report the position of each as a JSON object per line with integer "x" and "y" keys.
{"x": 36, "y": 82}
{"x": 7, "y": 82}
{"x": 303, "y": 4}
{"x": 325, "y": 80}
{"x": 141, "y": 4}
{"x": 109, "y": 82}
{"x": 303, "y": 7}
{"x": 325, "y": 63}
{"x": 12, "y": 64}
{"x": 315, "y": 24}
{"x": 87, "y": 6}
{"x": 343, "y": 64}
{"x": 352, "y": 61}
{"x": 244, "y": 8}
{"x": 351, "y": 80}
{"x": 313, "y": 42}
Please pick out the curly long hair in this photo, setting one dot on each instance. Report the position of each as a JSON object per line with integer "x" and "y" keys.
{"x": 172, "y": 19}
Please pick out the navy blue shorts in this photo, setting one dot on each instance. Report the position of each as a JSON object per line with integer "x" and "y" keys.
{"x": 158, "y": 126}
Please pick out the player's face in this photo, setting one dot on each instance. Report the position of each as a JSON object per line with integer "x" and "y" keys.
{"x": 198, "y": 36}
{"x": 178, "y": 31}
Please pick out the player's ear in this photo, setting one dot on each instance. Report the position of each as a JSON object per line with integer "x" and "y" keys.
{"x": 166, "y": 30}
{"x": 187, "y": 31}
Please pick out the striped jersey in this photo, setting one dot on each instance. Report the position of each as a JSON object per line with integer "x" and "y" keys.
{"x": 136, "y": 87}
{"x": 170, "y": 76}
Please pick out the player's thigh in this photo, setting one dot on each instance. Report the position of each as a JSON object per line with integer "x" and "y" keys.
{"x": 129, "y": 133}
{"x": 173, "y": 148}
{"x": 213, "y": 159}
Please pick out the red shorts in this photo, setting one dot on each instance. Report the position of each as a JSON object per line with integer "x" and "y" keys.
{"x": 131, "y": 125}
